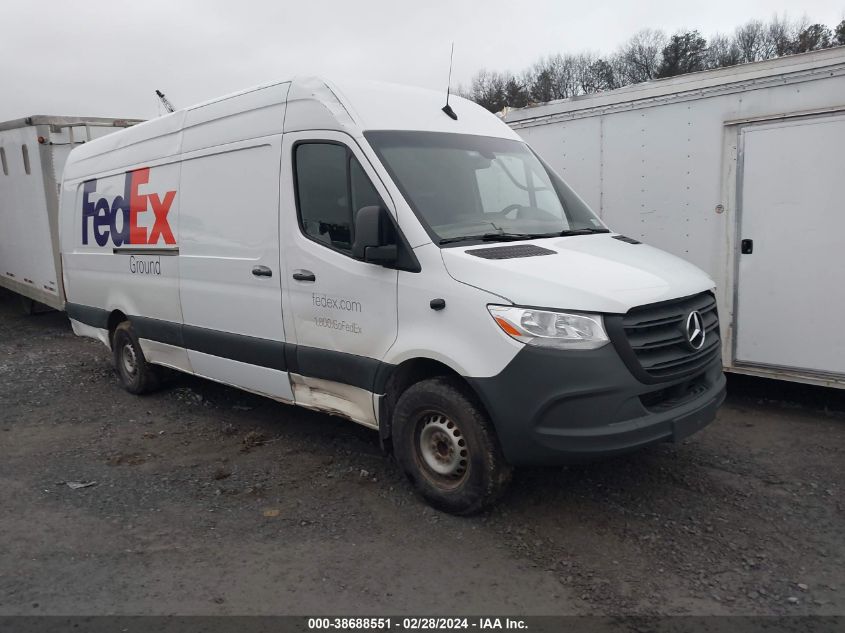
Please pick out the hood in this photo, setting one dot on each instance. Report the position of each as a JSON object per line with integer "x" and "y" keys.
{"x": 591, "y": 273}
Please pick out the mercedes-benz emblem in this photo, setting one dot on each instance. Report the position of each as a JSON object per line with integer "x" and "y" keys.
{"x": 695, "y": 330}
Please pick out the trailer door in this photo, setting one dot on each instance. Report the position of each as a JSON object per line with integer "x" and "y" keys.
{"x": 791, "y": 243}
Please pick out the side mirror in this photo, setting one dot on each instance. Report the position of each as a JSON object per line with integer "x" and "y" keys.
{"x": 372, "y": 231}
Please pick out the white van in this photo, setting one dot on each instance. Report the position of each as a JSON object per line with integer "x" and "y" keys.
{"x": 364, "y": 251}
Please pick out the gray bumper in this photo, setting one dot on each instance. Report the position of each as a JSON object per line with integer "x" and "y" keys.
{"x": 556, "y": 407}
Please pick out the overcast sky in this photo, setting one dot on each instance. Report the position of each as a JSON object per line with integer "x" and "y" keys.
{"x": 106, "y": 58}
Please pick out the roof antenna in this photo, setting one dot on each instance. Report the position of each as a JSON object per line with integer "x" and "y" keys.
{"x": 447, "y": 108}
{"x": 165, "y": 101}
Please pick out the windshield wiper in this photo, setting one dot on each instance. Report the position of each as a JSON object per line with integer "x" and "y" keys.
{"x": 513, "y": 237}
{"x": 584, "y": 231}
{"x": 496, "y": 237}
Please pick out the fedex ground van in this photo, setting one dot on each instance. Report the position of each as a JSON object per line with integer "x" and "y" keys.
{"x": 364, "y": 251}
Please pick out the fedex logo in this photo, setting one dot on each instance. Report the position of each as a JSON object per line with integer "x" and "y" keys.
{"x": 118, "y": 219}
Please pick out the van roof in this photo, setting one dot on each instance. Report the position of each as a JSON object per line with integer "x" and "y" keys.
{"x": 312, "y": 103}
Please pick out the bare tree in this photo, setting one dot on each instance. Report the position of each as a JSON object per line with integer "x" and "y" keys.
{"x": 752, "y": 41}
{"x": 567, "y": 75}
{"x": 599, "y": 75}
{"x": 583, "y": 70}
{"x": 647, "y": 55}
{"x": 639, "y": 58}
{"x": 554, "y": 77}
{"x": 488, "y": 90}
{"x": 723, "y": 51}
{"x": 782, "y": 34}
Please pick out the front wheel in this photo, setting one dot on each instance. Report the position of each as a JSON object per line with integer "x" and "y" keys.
{"x": 136, "y": 374}
{"x": 446, "y": 445}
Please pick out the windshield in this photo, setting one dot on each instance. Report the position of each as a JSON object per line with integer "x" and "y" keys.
{"x": 465, "y": 187}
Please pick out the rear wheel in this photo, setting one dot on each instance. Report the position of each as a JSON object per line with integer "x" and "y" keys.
{"x": 136, "y": 374}
{"x": 446, "y": 445}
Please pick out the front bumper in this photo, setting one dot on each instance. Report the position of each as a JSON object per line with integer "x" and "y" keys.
{"x": 557, "y": 407}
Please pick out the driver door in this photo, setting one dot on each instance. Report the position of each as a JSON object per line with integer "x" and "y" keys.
{"x": 342, "y": 311}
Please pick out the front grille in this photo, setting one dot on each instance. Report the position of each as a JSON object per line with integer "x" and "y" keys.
{"x": 656, "y": 334}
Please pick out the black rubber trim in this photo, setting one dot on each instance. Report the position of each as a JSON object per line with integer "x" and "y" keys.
{"x": 95, "y": 317}
{"x": 290, "y": 358}
{"x": 158, "y": 330}
{"x": 382, "y": 376}
{"x": 350, "y": 369}
{"x": 244, "y": 349}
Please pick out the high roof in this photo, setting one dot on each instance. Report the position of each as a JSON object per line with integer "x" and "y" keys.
{"x": 351, "y": 106}
{"x": 385, "y": 106}
{"x": 319, "y": 103}
{"x": 304, "y": 103}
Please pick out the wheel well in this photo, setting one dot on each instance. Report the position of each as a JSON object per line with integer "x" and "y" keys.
{"x": 115, "y": 318}
{"x": 403, "y": 376}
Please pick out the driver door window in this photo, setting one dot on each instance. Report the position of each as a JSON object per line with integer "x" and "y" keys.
{"x": 331, "y": 187}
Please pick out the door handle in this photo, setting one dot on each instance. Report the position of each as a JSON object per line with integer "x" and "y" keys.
{"x": 304, "y": 275}
{"x": 746, "y": 247}
{"x": 262, "y": 271}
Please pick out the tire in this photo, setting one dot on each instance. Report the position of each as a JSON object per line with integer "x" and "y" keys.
{"x": 447, "y": 447}
{"x": 136, "y": 374}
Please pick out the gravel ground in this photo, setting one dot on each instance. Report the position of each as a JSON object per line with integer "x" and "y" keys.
{"x": 208, "y": 500}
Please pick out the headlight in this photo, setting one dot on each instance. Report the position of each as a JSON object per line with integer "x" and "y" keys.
{"x": 543, "y": 328}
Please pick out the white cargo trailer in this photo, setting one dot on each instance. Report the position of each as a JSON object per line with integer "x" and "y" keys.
{"x": 33, "y": 152}
{"x": 740, "y": 171}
